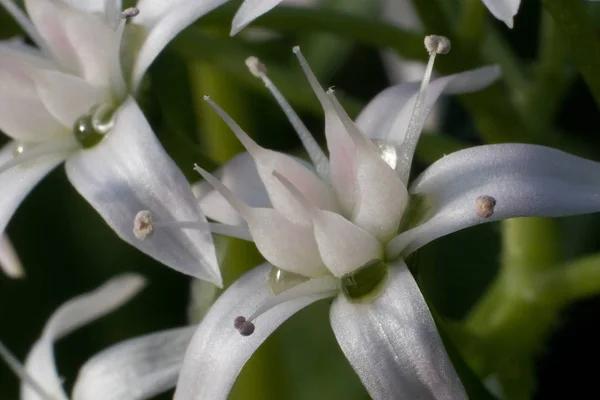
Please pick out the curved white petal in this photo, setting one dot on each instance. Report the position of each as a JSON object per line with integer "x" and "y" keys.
{"x": 176, "y": 18}
{"x": 9, "y": 261}
{"x": 66, "y": 96}
{"x": 386, "y": 117}
{"x": 151, "y": 11}
{"x": 217, "y": 351}
{"x": 18, "y": 181}
{"x": 135, "y": 369}
{"x": 504, "y": 10}
{"x": 393, "y": 344}
{"x": 105, "y": 8}
{"x": 49, "y": 19}
{"x": 70, "y": 316}
{"x": 249, "y": 11}
{"x": 241, "y": 177}
{"x": 26, "y": 118}
{"x": 128, "y": 172}
{"x": 525, "y": 180}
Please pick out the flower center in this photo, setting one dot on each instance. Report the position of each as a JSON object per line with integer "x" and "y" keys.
{"x": 365, "y": 280}
{"x": 91, "y": 128}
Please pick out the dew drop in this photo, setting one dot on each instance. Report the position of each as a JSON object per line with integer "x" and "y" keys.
{"x": 90, "y": 129}
{"x": 387, "y": 152}
{"x": 280, "y": 280}
{"x": 365, "y": 280}
{"x": 19, "y": 148}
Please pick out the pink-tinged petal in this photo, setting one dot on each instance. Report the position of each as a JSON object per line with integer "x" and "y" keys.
{"x": 386, "y": 117}
{"x": 49, "y": 19}
{"x": 135, "y": 369}
{"x": 287, "y": 245}
{"x": 9, "y": 261}
{"x": 343, "y": 246}
{"x": 241, "y": 177}
{"x": 107, "y": 9}
{"x": 392, "y": 342}
{"x": 128, "y": 172}
{"x": 217, "y": 351}
{"x": 70, "y": 316}
{"x": 504, "y": 10}
{"x": 18, "y": 181}
{"x": 27, "y": 119}
{"x": 17, "y": 61}
{"x": 522, "y": 180}
{"x": 175, "y": 19}
{"x": 249, "y": 11}
{"x": 65, "y": 96}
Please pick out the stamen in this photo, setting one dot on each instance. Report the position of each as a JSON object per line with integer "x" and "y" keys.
{"x": 241, "y": 207}
{"x": 316, "y": 154}
{"x": 118, "y": 85}
{"x": 484, "y": 206}
{"x": 19, "y": 370}
{"x": 434, "y": 45}
{"x": 310, "y": 75}
{"x": 246, "y": 328}
{"x": 144, "y": 227}
{"x": 27, "y": 25}
{"x": 129, "y": 13}
{"x": 53, "y": 147}
{"x": 242, "y": 136}
{"x": 323, "y": 287}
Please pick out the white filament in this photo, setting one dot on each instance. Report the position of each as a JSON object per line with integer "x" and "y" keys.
{"x": 19, "y": 370}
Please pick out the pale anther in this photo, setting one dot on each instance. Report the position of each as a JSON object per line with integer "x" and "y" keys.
{"x": 437, "y": 44}
{"x": 142, "y": 225}
{"x": 485, "y": 206}
{"x": 256, "y": 68}
{"x": 129, "y": 13}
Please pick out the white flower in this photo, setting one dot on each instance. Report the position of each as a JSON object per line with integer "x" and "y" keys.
{"x": 504, "y": 10}
{"x": 9, "y": 261}
{"x": 70, "y": 100}
{"x": 344, "y": 232}
{"x": 135, "y": 369}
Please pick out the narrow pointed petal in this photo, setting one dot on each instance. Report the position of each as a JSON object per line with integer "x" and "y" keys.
{"x": 241, "y": 177}
{"x": 49, "y": 19}
{"x": 217, "y": 351}
{"x": 393, "y": 345}
{"x": 18, "y": 181}
{"x": 65, "y": 96}
{"x": 387, "y": 115}
{"x": 524, "y": 180}
{"x": 135, "y": 369}
{"x": 176, "y": 18}
{"x": 72, "y": 315}
{"x": 104, "y": 8}
{"x": 343, "y": 246}
{"x": 128, "y": 172}
{"x": 9, "y": 261}
{"x": 249, "y": 11}
{"x": 287, "y": 245}
{"x": 504, "y": 10}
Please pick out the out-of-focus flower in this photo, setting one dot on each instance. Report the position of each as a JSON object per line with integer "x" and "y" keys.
{"x": 135, "y": 369}
{"x": 9, "y": 261}
{"x": 344, "y": 231}
{"x": 504, "y": 10}
{"x": 70, "y": 100}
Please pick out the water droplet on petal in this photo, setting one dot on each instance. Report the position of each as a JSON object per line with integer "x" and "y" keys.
{"x": 19, "y": 148}
{"x": 365, "y": 280}
{"x": 90, "y": 129}
{"x": 388, "y": 152}
{"x": 281, "y": 280}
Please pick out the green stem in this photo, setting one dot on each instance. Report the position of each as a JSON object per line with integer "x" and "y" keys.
{"x": 580, "y": 39}
{"x": 573, "y": 281}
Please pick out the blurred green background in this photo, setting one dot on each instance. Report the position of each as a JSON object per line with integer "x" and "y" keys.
{"x": 67, "y": 249}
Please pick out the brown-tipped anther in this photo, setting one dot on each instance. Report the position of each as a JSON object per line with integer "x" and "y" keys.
{"x": 247, "y": 329}
{"x": 142, "y": 225}
{"x": 437, "y": 44}
{"x": 129, "y": 13}
{"x": 239, "y": 322}
{"x": 256, "y": 68}
{"x": 485, "y": 206}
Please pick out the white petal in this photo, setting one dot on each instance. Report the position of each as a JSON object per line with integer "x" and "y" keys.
{"x": 176, "y": 18}
{"x": 218, "y": 352}
{"x": 241, "y": 177}
{"x": 526, "y": 181}
{"x": 249, "y": 11}
{"x": 387, "y": 116}
{"x": 49, "y": 19}
{"x": 393, "y": 344}
{"x": 27, "y": 119}
{"x": 66, "y": 96}
{"x": 151, "y": 11}
{"x": 504, "y": 10}
{"x": 381, "y": 196}
{"x": 18, "y": 181}
{"x": 344, "y": 246}
{"x": 9, "y": 261}
{"x": 104, "y": 8}
{"x": 70, "y": 316}
{"x": 135, "y": 369}
{"x": 128, "y": 172}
